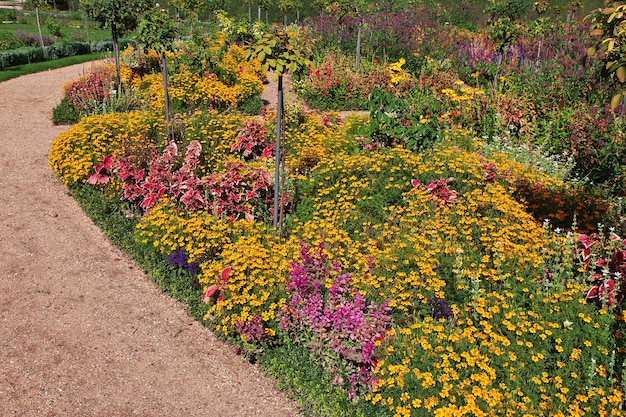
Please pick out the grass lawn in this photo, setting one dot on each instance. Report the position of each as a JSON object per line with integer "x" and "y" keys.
{"x": 14, "y": 72}
{"x": 70, "y": 31}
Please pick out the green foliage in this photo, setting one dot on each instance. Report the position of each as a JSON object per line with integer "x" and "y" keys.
{"x": 251, "y": 106}
{"x": 13, "y": 72}
{"x": 503, "y": 32}
{"x": 311, "y": 386}
{"x": 395, "y": 120}
{"x": 8, "y": 15}
{"x": 63, "y": 49}
{"x": 30, "y": 55}
{"x": 509, "y": 9}
{"x": 21, "y": 56}
{"x": 64, "y": 113}
{"x": 608, "y": 26}
{"x": 279, "y": 52}
{"x": 157, "y": 31}
{"x": 54, "y": 27}
{"x": 119, "y": 15}
{"x": 8, "y": 41}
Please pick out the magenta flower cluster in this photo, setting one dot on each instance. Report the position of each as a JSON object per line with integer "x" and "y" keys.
{"x": 333, "y": 319}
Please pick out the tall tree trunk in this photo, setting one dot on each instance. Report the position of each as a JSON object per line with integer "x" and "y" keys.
{"x": 538, "y": 53}
{"x": 87, "y": 29}
{"x": 39, "y": 29}
{"x": 250, "y": 12}
{"x": 298, "y": 16}
{"x": 285, "y": 19}
{"x": 358, "y": 45}
{"x": 116, "y": 57}
{"x": 499, "y": 55}
{"x": 279, "y": 119}
{"x": 259, "y": 12}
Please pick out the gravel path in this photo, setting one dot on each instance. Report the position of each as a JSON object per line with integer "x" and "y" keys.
{"x": 83, "y": 332}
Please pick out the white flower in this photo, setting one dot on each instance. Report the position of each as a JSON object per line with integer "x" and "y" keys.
{"x": 567, "y": 323}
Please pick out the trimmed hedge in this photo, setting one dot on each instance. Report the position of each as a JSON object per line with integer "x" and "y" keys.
{"x": 31, "y": 54}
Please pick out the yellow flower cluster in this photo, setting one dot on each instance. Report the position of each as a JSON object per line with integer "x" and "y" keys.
{"x": 396, "y": 73}
{"x": 461, "y": 92}
{"x": 74, "y": 152}
{"x": 256, "y": 283}
{"x": 216, "y": 133}
{"x": 199, "y": 234}
{"x": 499, "y": 358}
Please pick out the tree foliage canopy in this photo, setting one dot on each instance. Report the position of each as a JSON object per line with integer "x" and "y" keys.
{"x": 121, "y": 15}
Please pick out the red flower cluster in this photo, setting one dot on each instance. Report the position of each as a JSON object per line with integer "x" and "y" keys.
{"x": 87, "y": 91}
{"x": 439, "y": 190}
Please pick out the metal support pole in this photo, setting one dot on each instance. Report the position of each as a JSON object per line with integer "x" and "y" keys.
{"x": 279, "y": 119}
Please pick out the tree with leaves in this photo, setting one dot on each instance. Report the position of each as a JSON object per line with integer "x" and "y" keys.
{"x": 285, "y": 6}
{"x": 354, "y": 9}
{"x": 37, "y": 4}
{"x": 156, "y": 31}
{"x": 608, "y": 27}
{"x": 121, "y": 16}
{"x": 279, "y": 53}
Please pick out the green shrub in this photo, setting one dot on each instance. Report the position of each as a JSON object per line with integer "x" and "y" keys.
{"x": 8, "y": 15}
{"x": 54, "y": 27}
{"x": 107, "y": 45}
{"x": 251, "y": 105}
{"x": 65, "y": 49}
{"x": 64, "y": 113}
{"x": 21, "y": 56}
{"x": 8, "y": 41}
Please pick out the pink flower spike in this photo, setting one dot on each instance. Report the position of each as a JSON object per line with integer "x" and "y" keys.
{"x": 225, "y": 273}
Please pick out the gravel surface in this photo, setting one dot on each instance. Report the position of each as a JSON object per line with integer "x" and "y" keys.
{"x": 83, "y": 332}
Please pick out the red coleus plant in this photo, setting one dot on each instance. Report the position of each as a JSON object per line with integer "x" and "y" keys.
{"x": 102, "y": 170}
{"x": 215, "y": 292}
{"x": 146, "y": 189}
{"x": 605, "y": 261}
{"x": 252, "y": 141}
{"x": 86, "y": 92}
{"x": 235, "y": 190}
{"x": 239, "y": 192}
{"x": 439, "y": 190}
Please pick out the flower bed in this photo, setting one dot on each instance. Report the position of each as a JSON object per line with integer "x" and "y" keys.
{"x": 438, "y": 282}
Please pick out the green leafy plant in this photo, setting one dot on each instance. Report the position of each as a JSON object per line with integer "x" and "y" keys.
{"x": 157, "y": 31}
{"x": 394, "y": 121}
{"x": 64, "y": 113}
{"x": 608, "y": 26}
